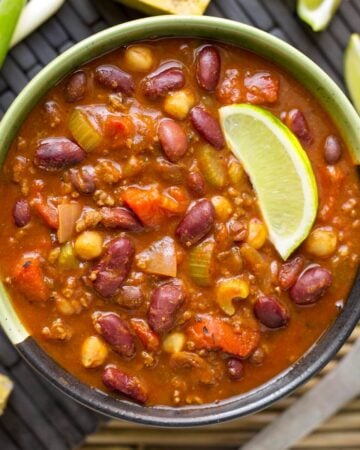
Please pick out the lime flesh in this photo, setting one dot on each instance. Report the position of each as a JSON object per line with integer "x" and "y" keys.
{"x": 279, "y": 170}
{"x": 352, "y": 69}
{"x": 317, "y": 13}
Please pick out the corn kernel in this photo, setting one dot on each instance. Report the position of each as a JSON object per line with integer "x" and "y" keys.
{"x": 138, "y": 58}
{"x": 93, "y": 352}
{"x": 236, "y": 173}
{"x": 88, "y": 245}
{"x": 257, "y": 234}
{"x": 229, "y": 289}
{"x": 178, "y": 104}
{"x": 223, "y": 207}
{"x": 174, "y": 342}
{"x": 322, "y": 242}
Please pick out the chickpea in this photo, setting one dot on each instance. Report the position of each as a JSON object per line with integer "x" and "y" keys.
{"x": 223, "y": 207}
{"x": 93, "y": 352}
{"x": 138, "y": 58}
{"x": 178, "y": 104}
{"x": 89, "y": 245}
{"x": 174, "y": 342}
{"x": 257, "y": 233}
{"x": 322, "y": 242}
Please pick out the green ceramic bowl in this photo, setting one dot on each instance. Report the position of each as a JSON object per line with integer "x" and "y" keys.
{"x": 332, "y": 99}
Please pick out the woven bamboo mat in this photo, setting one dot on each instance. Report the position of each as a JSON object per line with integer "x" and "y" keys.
{"x": 39, "y": 418}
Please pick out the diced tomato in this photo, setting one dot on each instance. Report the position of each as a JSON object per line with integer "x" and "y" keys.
{"x": 118, "y": 130}
{"x": 47, "y": 211}
{"x": 231, "y": 90}
{"x": 147, "y": 336}
{"x": 30, "y": 281}
{"x": 146, "y": 204}
{"x": 175, "y": 200}
{"x": 213, "y": 333}
{"x": 261, "y": 87}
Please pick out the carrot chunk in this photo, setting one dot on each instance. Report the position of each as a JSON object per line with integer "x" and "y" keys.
{"x": 29, "y": 279}
{"x": 213, "y": 333}
{"x": 146, "y": 204}
{"x": 262, "y": 87}
{"x": 47, "y": 212}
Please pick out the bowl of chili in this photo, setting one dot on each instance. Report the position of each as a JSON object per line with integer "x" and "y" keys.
{"x": 107, "y": 285}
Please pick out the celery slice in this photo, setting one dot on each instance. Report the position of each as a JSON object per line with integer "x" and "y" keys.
{"x": 200, "y": 263}
{"x": 9, "y": 15}
{"x": 212, "y": 167}
{"x": 83, "y": 131}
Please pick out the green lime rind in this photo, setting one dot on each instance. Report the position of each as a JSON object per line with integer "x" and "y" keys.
{"x": 352, "y": 71}
{"x": 317, "y": 13}
{"x": 279, "y": 169}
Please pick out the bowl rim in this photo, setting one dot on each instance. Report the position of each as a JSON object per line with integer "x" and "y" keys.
{"x": 332, "y": 100}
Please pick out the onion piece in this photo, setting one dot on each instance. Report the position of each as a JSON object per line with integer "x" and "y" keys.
{"x": 68, "y": 215}
{"x": 159, "y": 258}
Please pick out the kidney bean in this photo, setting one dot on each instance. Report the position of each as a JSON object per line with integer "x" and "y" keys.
{"x": 114, "y": 267}
{"x": 164, "y": 304}
{"x": 207, "y": 126}
{"x": 311, "y": 285}
{"x": 235, "y": 368}
{"x": 208, "y": 67}
{"x": 160, "y": 83}
{"x": 115, "y": 79}
{"x": 130, "y": 297}
{"x": 297, "y": 123}
{"x": 196, "y": 183}
{"x": 117, "y": 380}
{"x": 332, "y": 149}
{"x": 196, "y": 223}
{"x": 120, "y": 218}
{"x": 21, "y": 213}
{"x": 270, "y": 312}
{"x": 75, "y": 87}
{"x": 172, "y": 139}
{"x": 83, "y": 179}
{"x": 116, "y": 333}
{"x": 57, "y": 154}
{"x": 289, "y": 272}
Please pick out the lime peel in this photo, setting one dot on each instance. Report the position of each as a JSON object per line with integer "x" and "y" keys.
{"x": 352, "y": 69}
{"x": 279, "y": 169}
{"x": 317, "y": 13}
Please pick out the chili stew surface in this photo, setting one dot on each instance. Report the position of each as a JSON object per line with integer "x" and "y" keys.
{"x": 133, "y": 246}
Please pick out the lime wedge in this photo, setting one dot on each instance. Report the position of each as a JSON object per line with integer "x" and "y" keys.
{"x": 317, "y": 13}
{"x": 352, "y": 69}
{"x": 279, "y": 169}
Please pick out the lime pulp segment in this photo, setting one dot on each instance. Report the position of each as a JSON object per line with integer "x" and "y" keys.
{"x": 352, "y": 69}
{"x": 317, "y": 13}
{"x": 279, "y": 169}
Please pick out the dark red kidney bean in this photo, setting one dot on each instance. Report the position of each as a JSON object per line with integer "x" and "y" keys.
{"x": 173, "y": 139}
{"x": 332, "y": 149}
{"x": 75, "y": 87}
{"x": 120, "y": 218}
{"x": 112, "y": 270}
{"x": 130, "y": 297}
{"x": 21, "y": 213}
{"x": 311, "y": 286}
{"x": 207, "y": 126}
{"x": 270, "y": 312}
{"x": 116, "y": 333}
{"x": 208, "y": 64}
{"x": 290, "y": 271}
{"x": 297, "y": 123}
{"x": 119, "y": 381}
{"x": 196, "y": 183}
{"x": 57, "y": 154}
{"x": 83, "y": 179}
{"x": 160, "y": 83}
{"x": 196, "y": 223}
{"x": 115, "y": 79}
{"x": 164, "y": 304}
{"x": 235, "y": 368}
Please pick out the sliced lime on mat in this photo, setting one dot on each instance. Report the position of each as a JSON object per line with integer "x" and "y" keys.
{"x": 279, "y": 170}
{"x": 352, "y": 69}
{"x": 317, "y": 13}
